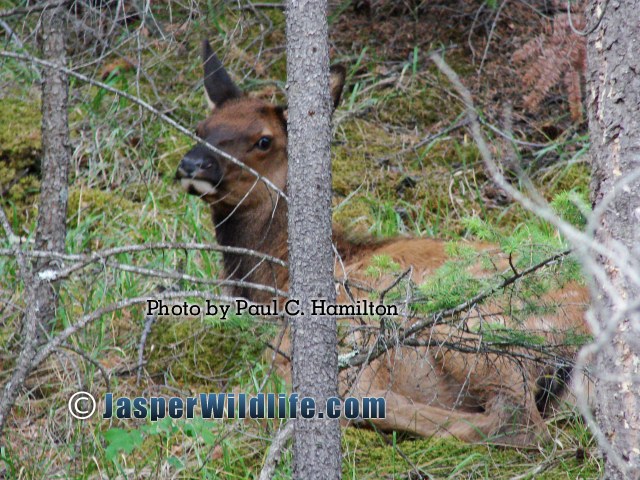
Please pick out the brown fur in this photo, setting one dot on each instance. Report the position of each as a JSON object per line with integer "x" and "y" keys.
{"x": 429, "y": 390}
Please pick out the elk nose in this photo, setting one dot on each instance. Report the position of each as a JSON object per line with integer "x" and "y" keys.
{"x": 189, "y": 165}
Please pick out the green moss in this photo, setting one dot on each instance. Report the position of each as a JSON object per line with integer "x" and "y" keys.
{"x": 21, "y": 192}
{"x": 408, "y": 192}
{"x": 89, "y": 201}
{"x": 197, "y": 352}
{"x": 355, "y": 215}
{"x": 421, "y": 107}
{"x": 20, "y": 150}
{"x": 368, "y": 456}
{"x": 358, "y": 145}
{"x": 20, "y": 132}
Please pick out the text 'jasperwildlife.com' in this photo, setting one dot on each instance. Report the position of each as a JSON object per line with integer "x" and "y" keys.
{"x": 218, "y": 406}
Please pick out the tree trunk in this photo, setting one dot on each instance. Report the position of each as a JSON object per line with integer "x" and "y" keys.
{"x": 52, "y": 211}
{"x": 40, "y": 295}
{"x": 315, "y": 362}
{"x": 614, "y": 124}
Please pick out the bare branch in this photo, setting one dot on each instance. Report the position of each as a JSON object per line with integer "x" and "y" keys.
{"x": 57, "y": 341}
{"x": 12, "y": 12}
{"x": 101, "y": 256}
{"x": 585, "y": 245}
{"x": 165, "y": 118}
{"x": 275, "y": 452}
{"x": 148, "y": 323}
{"x": 439, "y": 317}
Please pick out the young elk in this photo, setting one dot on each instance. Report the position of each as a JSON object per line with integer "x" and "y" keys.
{"x": 429, "y": 390}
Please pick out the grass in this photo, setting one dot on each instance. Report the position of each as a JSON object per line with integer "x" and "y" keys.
{"x": 122, "y": 192}
{"x": 444, "y": 458}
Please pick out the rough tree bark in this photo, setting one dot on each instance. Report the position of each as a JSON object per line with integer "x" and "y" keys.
{"x": 614, "y": 124}
{"x": 40, "y": 295}
{"x": 315, "y": 362}
{"x": 52, "y": 210}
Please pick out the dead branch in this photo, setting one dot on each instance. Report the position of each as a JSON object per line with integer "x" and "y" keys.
{"x": 148, "y": 323}
{"x": 275, "y": 452}
{"x": 585, "y": 245}
{"x": 12, "y": 12}
{"x": 425, "y": 141}
{"x": 162, "y": 116}
{"x": 437, "y": 318}
{"x": 101, "y": 256}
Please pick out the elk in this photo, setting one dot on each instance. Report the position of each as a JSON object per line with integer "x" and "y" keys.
{"x": 429, "y": 391}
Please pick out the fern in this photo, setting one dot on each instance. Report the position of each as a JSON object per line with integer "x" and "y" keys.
{"x": 556, "y": 56}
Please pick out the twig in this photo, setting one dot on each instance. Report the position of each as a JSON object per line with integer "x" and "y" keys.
{"x": 190, "y": 278}
{"x": 590, "y": 30}
{"x": 12, "y": 12}
{"x": 493, "y": 28}
{"x": 150, "y": 108}
{"x": 513, "y": 268}
{"x": 425, "y": 141}
{"x": 438, "y": 317}
{"x": 393, "y": 284}
{"x": 93, "y": 362}
{"x": 23, "y": 268}
{"x": 148, "y": 323}
{"x": 511, "y": 138}
{"x": 252, "y": 6}
{"x": 29, "y": 330}
{"x": 275, "y": 452}
{"x": 101, "y": 255}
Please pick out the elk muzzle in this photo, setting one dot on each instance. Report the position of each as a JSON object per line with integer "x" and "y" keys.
{"x": 199, "y": 172}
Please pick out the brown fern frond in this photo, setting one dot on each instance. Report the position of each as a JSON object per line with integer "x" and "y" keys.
{"x": 531, "y": 49}
{"x": 548, "y": 74}
{"x": 557, "y": 56}
{"x": 574, "y": 90}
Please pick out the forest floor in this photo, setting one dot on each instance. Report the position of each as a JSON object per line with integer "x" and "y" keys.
{"x": 403, "y": 165}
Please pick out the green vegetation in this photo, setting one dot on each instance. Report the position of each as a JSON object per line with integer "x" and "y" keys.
{"x": 387, "y": 182}
{"x": 19, "y": 158}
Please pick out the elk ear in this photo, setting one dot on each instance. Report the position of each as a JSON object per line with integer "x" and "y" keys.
{"x": 337, "y": 76}
{"x": 284, "y": 112}
{"x": 218, "y": 85}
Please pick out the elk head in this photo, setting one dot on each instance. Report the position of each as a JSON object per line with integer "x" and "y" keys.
{"x": 252, "y": 131}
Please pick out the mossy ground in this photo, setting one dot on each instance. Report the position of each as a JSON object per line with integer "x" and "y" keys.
{"x": 122, "y": 192}
{"x": 368, "y": 456}
{"x": 19, "y": 157}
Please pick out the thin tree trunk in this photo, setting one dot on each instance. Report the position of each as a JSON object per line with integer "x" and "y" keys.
{"x": 40, "y": 295}
{"x": 315, "y": 363}
{"x": 52, "y": 211}
{"x": 614, "y": 124}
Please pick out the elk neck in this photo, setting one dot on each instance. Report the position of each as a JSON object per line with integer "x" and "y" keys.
{"x": 263, "y": 230}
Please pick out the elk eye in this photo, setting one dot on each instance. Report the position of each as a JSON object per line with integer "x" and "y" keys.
{"x": 264, "y": 143}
